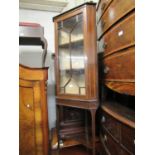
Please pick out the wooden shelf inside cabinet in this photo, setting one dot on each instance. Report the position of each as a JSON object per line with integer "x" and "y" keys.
{"x": 74, "y": 71}
{"x": 73, "y": 44}
{"x": 119, "y": 112}
{"x": 78, "y": 140}
{"x": 86, "y": 142}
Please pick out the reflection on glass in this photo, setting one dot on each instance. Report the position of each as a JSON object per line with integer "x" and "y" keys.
{"x": 71, "y": 56}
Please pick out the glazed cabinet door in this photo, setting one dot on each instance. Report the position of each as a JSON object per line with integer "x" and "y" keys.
{"x": 71, "y": 56}
{"x": 75, "y": 55}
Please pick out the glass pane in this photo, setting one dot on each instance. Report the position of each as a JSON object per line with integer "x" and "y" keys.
{"x": 63, "y": 37}
{"x": 71, "y": 56}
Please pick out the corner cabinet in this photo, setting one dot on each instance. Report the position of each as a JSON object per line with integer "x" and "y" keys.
{"x": 76, "y": 70}
{"x": 33, "y": 121}
{"x": 76, "y": 59}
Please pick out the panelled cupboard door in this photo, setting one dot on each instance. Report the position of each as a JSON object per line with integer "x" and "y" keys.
{"x": 30, "y": 119}
{"x": 26, "y": 123}
{"x": 33, "y": 122}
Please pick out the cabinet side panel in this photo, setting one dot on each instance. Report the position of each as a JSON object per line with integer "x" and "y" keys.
{"x": 91, "y": 51}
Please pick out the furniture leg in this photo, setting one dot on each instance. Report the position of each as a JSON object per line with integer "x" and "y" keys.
{"x": 58, "y": 129}
{"x": 86, "y": 129}
{"x": 93, "y": 113}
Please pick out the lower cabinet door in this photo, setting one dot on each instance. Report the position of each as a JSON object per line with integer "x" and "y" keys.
{"x": 71, "y": 122}
{"x": 26, "y": 122}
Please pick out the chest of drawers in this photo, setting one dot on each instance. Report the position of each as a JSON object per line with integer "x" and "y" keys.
{"x": 116, "y": 52}
{"x": 116, "y": 10}
{"x": 117, "y": 130}
{"x": 116, "y": 40}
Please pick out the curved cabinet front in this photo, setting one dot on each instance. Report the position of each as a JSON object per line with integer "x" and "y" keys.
{"x": 33, "y": 121}
{"x": 119, "y": 37}
{"x": 119, "y": 71}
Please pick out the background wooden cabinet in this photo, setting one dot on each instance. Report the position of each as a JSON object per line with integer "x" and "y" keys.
{"x": 33, "y": 122}
{"x": 116, "y": 55}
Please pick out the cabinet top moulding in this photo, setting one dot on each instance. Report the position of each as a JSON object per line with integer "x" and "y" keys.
{"x": 69, "y": 11}
{"x": 27, "y": 73}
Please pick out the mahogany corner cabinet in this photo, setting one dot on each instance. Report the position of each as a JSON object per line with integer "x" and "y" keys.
{"x": 76, "y": 73}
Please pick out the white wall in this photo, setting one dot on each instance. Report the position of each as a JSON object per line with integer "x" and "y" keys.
{"x": 45, "y": 19}
{"x": 31, "y": 55}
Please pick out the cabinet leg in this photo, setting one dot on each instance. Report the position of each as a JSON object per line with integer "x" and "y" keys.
{"x": 58, "y": 129}
{"x": 93, "y": 125}
{"x": 51, "y": 141}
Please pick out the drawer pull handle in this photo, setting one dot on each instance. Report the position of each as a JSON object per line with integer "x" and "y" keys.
{"x": 120, "y": 33}
{"x": 103, "y": 119}
{"x": 105, "y": 138}
{"x": 106, "y": 69}
{"x": 104, "y": 45}
{"x": 103, "y": 6}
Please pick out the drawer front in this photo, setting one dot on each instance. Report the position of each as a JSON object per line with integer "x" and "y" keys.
{"x": 116, "y": 10}
{"x": 121, "y": 36}
{"x": 111, "y": 147}
{"x": 119, "y": 69}
{"x": 103, "y": 4}
{"x": 128, "y": 138}
{"x": 111, "y": 125}
{"x": 120, "y": 66}
{"x": 124, "y": 152}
